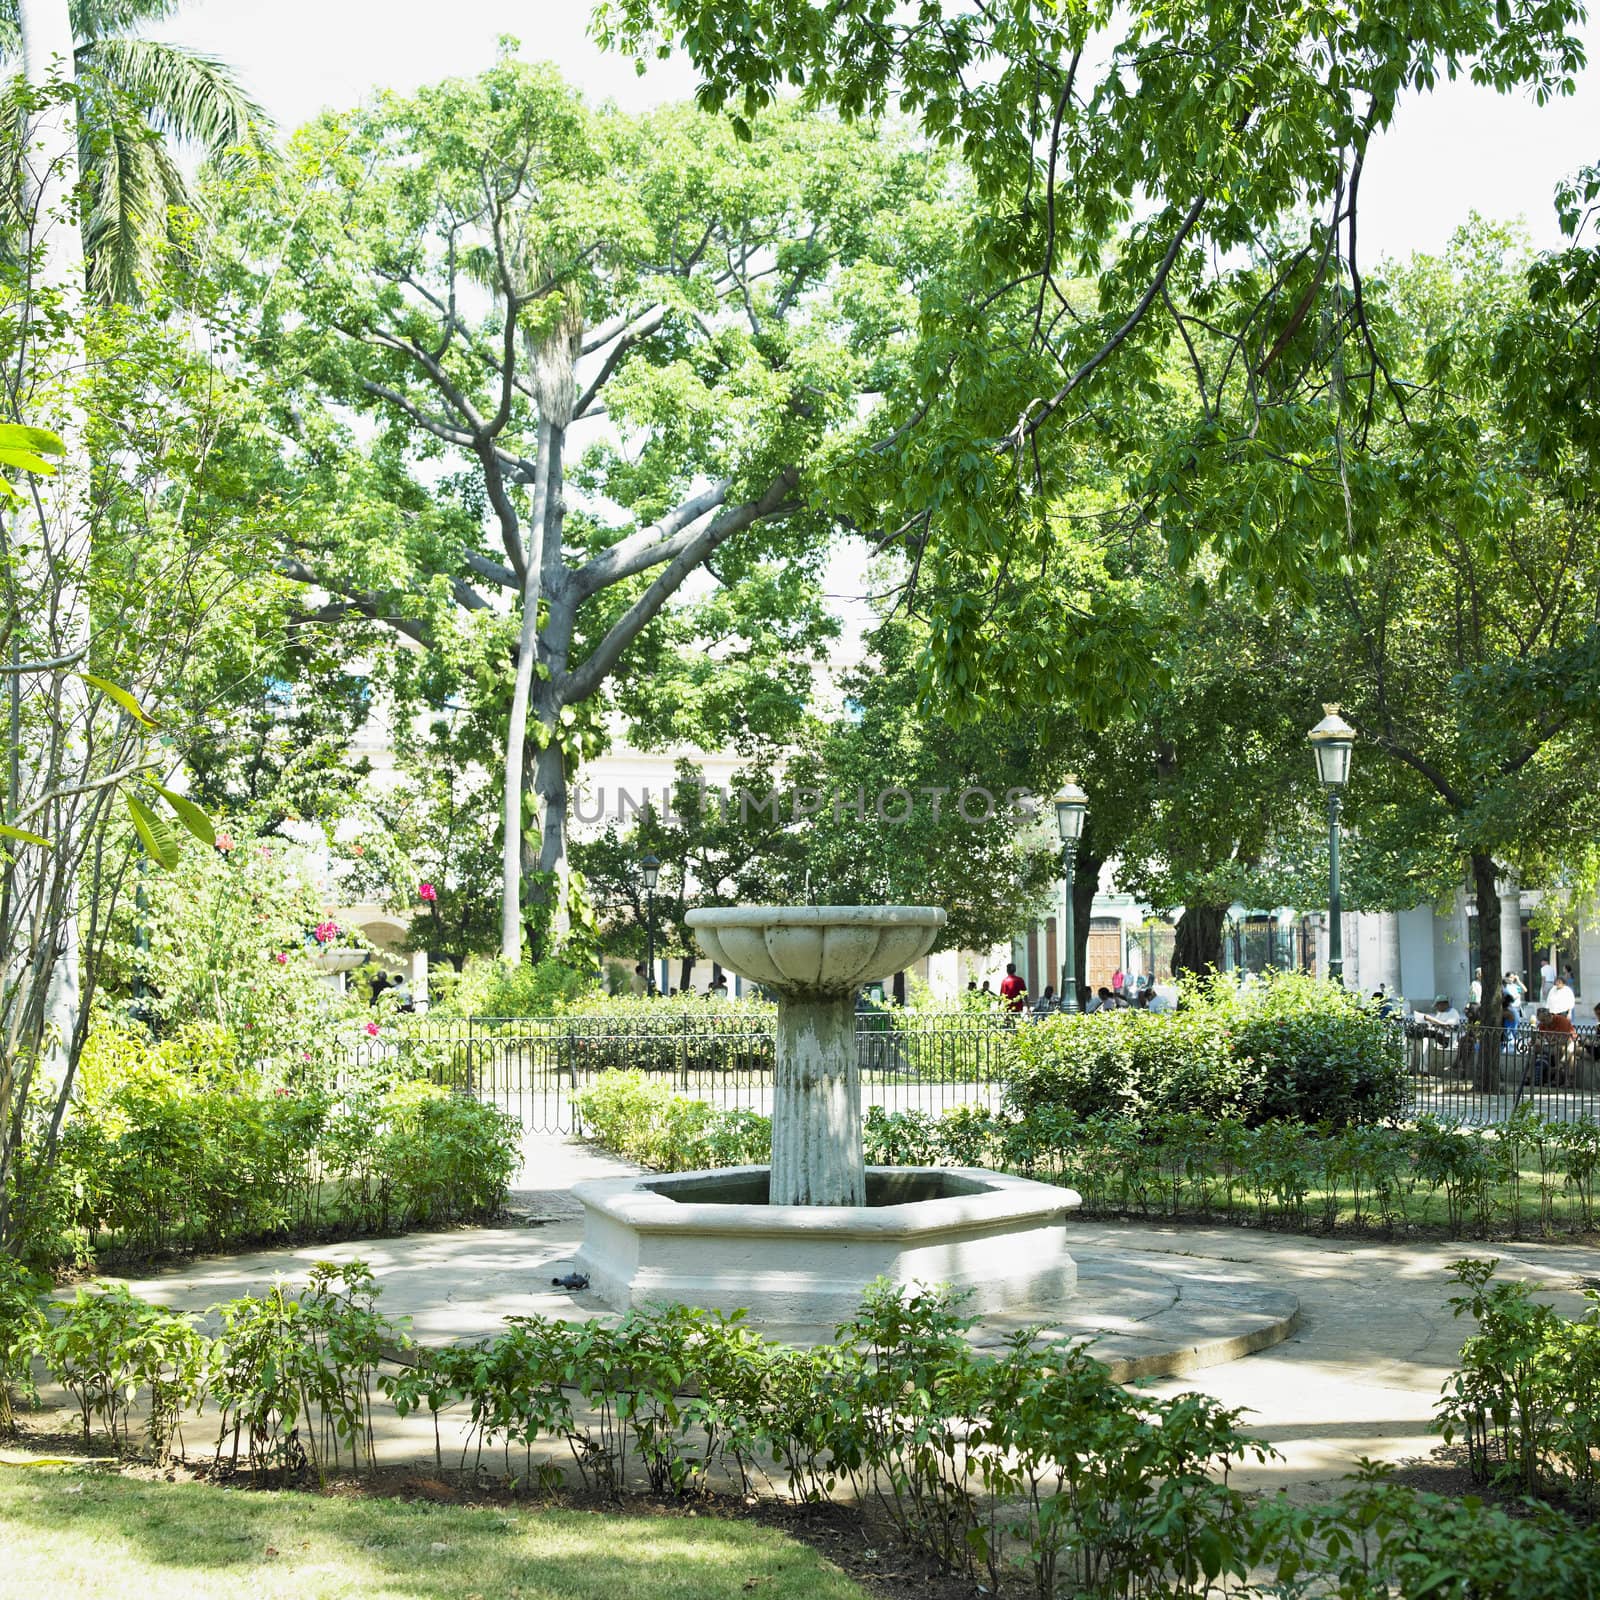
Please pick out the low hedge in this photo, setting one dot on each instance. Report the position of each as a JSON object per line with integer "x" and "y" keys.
{"x": 640, "y": 1117}
{"x": 1289, "y": 1047}
{"x": 1525, "y": 1172}
{"x": 177, "y": 1146}
{"x": 1027, "y": 1469}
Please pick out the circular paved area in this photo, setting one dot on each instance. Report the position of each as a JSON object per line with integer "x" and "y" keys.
{"x": 1348, "y": 1341}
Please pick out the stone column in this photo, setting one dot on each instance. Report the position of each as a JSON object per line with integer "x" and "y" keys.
{"x": 816, "y": 1105}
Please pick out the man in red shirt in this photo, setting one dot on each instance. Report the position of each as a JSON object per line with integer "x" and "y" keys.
{"x": 1556, "y": 1048}
{"x": 1013, "y": 991}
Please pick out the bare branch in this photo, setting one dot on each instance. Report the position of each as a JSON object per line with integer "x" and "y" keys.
{"x": 594, "y": 670}
{"x": 649, "y": 546}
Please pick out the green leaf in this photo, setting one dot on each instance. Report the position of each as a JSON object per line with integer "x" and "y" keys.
{"x": 8, "y": 832}
{"x": 158, "y": 839}
{"x": 19, "y": 436}
{"x": 121, "y": 696}
{"x": 189, "y": 814}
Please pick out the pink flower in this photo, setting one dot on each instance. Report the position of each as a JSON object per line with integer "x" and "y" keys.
{"x": 325, "y": 932}
{"x": 358, "y": 849}
{"x": 266, "y": 852}
{"x": 372, "y": 1029}
{"x": 224, "y": 842}
{"x": 426, "y": 891}
{"x": 281, "y": 957}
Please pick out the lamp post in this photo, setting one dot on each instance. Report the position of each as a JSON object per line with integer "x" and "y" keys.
{"x": 1332, "y": 740}
{"x": 650, "y": 870}
{"x": 1071, "y": 803}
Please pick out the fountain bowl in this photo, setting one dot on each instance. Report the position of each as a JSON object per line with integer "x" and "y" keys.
{"x": 710, "y": 1239}
{"x": 822, "y": 951}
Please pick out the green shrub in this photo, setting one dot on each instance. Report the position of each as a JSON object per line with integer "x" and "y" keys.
{"x": 21, "y": 1321}
{"x": 1526, "y": 1397}
{"x": 1381, "y": 1541}
{"x": 106, "y": 1346}
{"x": 292, "y": 1376}
{"x": 639, "y": 1117}
{"x": 175, "y": 1145}
{"x": 1288, "y": 1048}
{"x": 491, "y": 988}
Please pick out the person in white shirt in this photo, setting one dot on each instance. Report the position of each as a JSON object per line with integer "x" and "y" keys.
{"x": 1562, "y": 999}
{"x": 1547, "y": 980}
{"x": 1476, "y": 986}
{"x": 1517, "y": 987}
{"x": 1443, "y": 1020}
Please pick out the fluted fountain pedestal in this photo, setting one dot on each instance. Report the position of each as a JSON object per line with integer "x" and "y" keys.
{"x": 796, "y": 1244}
{"x": 816, "y": 958}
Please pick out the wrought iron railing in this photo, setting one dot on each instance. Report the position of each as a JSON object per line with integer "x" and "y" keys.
{"x": 1476, "y": 1074}
{"x": 531, "y": 1067}
{"x": 931, "y": 1062}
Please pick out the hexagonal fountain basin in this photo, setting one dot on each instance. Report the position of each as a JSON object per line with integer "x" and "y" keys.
{"x": 711, "y": 1239}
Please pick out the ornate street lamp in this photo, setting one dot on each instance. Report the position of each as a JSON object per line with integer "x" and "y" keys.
{"x": 1332, "y": 741}
{"x": 1071, "y": 803}
{"x": 650, "y": 870}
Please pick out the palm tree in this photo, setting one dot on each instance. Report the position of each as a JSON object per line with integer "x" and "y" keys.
{"x": 140, "y": 101}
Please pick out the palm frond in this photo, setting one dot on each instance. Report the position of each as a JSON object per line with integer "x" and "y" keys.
{"x": 184, "y": 94}
{"x": 131, "y": 185}
{"x": 96, "y": 19}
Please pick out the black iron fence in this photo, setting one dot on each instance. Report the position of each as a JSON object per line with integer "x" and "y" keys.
{"x": 531, "y": 1067}
{"x": 1482, "y": 1075}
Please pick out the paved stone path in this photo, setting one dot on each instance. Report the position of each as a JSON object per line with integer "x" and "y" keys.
{"x": 1371, "y": 1342}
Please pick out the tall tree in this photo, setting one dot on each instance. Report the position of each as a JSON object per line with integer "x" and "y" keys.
{"x": 486, "y": 266}
{"x": 134, "y": 98}
{"x": 1203, "y": 167}
{"x": 875, "y": 804}
{"x": 1469, "y": 656}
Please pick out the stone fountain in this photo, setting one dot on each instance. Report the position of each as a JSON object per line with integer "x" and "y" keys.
{"x": 795, "y": 1244}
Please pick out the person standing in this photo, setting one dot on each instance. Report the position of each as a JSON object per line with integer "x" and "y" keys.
{"x": 1013, "y": 991}
{"x": 1477, "y": 986}
{"x": 1547, "y": 980}
{"x": 1119, "y": 981}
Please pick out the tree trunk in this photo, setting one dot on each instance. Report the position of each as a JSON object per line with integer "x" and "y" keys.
{"x": 1486, "y": 895}
{"x": 1197, "y": 940}
{"x": 50, "y": 183}
{"x": 552, "y": 363}
{"x": 517, "y": 728}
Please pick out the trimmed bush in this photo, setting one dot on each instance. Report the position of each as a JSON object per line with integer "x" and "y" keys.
{"x": 173, "y": 1147}
{"x": 1288, "y": 1048}
{"x": 639, "y": 1116}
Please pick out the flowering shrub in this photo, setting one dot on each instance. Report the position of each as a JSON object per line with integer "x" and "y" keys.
{"x": 227, "y": 933}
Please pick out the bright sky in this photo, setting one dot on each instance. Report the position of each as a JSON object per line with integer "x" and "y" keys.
{"x": 1458, "y": 149}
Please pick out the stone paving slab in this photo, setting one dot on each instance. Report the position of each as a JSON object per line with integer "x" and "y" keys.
{"x": 1164, "y": 1317}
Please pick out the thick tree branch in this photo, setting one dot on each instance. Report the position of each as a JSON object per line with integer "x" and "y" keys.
{"x": 649, "y": 547}
{"x": 625, "y": 341}
{"x": 503, "y": 576}
{"x": 587, "y": 678}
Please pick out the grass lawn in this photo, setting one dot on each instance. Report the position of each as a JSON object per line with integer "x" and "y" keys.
{"x": 91, "y": 1534}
